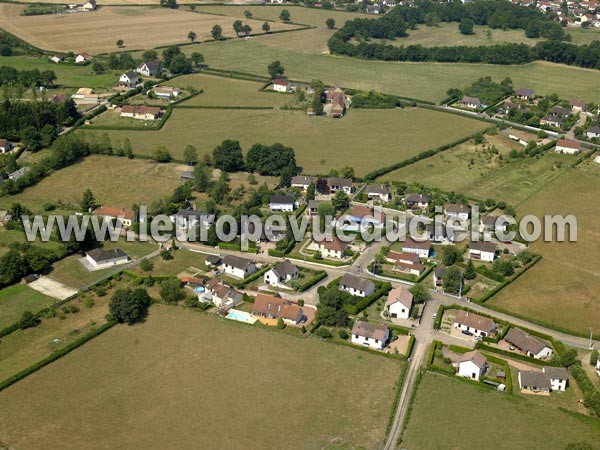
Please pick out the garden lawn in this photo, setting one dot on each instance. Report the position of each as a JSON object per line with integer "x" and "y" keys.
{"x": 150, "y": 385}
{"x": 15, "y": 300}
{"x": 363, "y": 139}
{"x": 562, "y": 289}
{"x": 182, "y": 260}
{"x": 447, "y": 413}
{"x": 427, "y": 81}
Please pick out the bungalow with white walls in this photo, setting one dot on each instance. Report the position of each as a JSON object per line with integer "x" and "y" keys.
{"x": 482, "y": 251}
{"x": 357, "y": 286}
{"x": 281, "y": 273}
{"x": 238, "y": 267}
{"x": 370, "y": 335}
{"x": 472, "y": 365}
{"x": 399, "y": 303}
{"x": 474, "y": 323}
{"x": 567, "y": 146}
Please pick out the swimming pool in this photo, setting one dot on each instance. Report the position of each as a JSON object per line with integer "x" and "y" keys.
{"x": 240, "y": 316}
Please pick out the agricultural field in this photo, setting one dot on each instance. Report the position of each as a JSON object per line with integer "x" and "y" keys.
{"x": 313, "y": 40}
{"x": 562, "y": 288}
{"x": 500, "y": 420}
{"x": 98, "y": 31}
{"x": 123, "y": 2}
{"x": 471, "y": 170}
{"x": 389, "y": 135}
{"x": 187, "y": 370}
{"x": 116, "y": 182}
{"x": 426, "y": 81}
{"x": 68, "y": 75}
{"x": 16, "y": 299}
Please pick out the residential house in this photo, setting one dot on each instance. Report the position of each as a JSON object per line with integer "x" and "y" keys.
{"x": 238, "y": 267}
{"x": 365, "y": 216}
{"x": 552, "y": 120}
{"x": 213, "y": 261}
{"x": 420, "y": 248}
{"x": 313, "y": 205}
{"x": 521, "y": 137}
{"x": 470, "y": 102}
{"x": 567, "y": 146}
{"x": 90, "y": 5}
{"x": 561, "y": 111}
{"x": 188, "y": 218}
{"x": 379, "y": 192}
{"x": 126, "y": 216}
{"x": 438, "y": 276}
{"x": 5, "y": 146}
{"x": 357, "y": 286}
{"x": 534, "y": 381}
{"x": 338, "y": 103}
{"x": 85, "y": 96}
{"x": 19, "y": 173}
{"x": 149, "y": 68}
{"x": 83, "y": 57}
{"x": 281, "y": 273}
{"x": 577, "y": 105}
{"x": 482, "y": 251}
{"x": 141, "y": 112}
{"x": 221, "y": 295}
{"x": 57, "y": 58}
{"x": 100, "y": 258}
{"x": 166, "y": 93}
{"x": 474, "y": 323}
{"x": 399, "y": 303}
{"x": 373, "y": 9}
{"x": 303, "y": 181}
{"x": 340, "y": 184}
{"x": 281, "y": 85}
{"x": 271, "y": 307}
{"x": 491, "y": 224}
{"x": 284, "y": 203}
{"x": 532, "y": 346}
{"x": 129, "y": 80}
{"x": 558, "y": 377}
{"x": 331, "y": 247}
{"x": 370, "y": 335}
{"x": 417, "y": 200}
{"x": 472, "y": 365}
{"x": 526, "y": 94}
{"x": 456, "y": 211}
{"x": 593, "y": 132}
{"x": 406, "y": 262}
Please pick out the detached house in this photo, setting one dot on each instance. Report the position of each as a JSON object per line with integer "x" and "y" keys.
{"x": 90, "y": 5}
{"x": 83, "y": 57}
{"x": 129, "y": 80}
{"x": 558, "y": 377}
{"x": 534, "y": 381}
{"x": 552, "y": 120}
{"x": 456, "y": 211}
{"x": 238, "y": 267}
{"x": 399, "y": 303}
{"x": 340, "y": 184}
{"x": 331, "y": 247}
{"x": 188, "y": 218}
{"x": 567, "y": 146}
{"x": 577, "y": 105}
{"x": 379, "y": 192}
{"x": 417, "y": 200}
{"x": 470, "y": 102}
{"x": 532, "y": 346}
{"x": 406, "y": 262}
{"x": 284, "y": 203}
{"x": 281, "y": 85}
{"x": 271, "y": 307}
{"x": 370, "y": 335}
{"x": 166, "y": 93}
{"x": 57, "y": 58}
{"x": 313, "y": 206}
{"x": 357, "y": 286}
{"x": 419, "y": 248}
{"x": 126, "y": 216}
{"x": 472, "y": 365}
{"x": 101, "y": 258}
{"x": 281, "y": 273}
{"x": 438, "y": 276}
{"x": 491, "y": 224}
{"x": 474, "y": 323}
{"x": 141, "y": 112}
{"x": 482, "y": 251}
{"x": 5, "y": 146}
{"x": 149, "y": 68}
{"x": 302, "y": 182}
{"x": 222, "y": 295}
{"x": 593, "y": 132}
{"x": 526, "y": 94}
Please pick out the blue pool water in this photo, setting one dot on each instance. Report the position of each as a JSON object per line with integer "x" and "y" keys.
{"x": 240, "y": 316}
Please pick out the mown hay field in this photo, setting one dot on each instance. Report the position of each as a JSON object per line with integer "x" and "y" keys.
{"x": 363, "y": 139}
{"x": 98, "y": 31}
{"x": 183, "y": 380}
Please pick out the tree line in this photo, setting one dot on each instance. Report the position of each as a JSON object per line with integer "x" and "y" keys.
{"x": 28, "y": 78}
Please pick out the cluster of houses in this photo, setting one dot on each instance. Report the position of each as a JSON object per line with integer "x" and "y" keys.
{"x": 584, "y": 13}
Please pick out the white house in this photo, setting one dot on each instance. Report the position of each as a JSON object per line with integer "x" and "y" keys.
{"x": 83, "y": 57}
{"x": 406, "y": 262}
{"x": 89, "y": 5}
{"x": 558, "y": 377}
{"x": 533, "y": 381}
{"x": 420, "y": 248}
{"x": 399, "y": 302}
{"x": 417, "y": 200}
{"x": 187, "y": 219}
{"x": 129, "y": 80}
{"x": 281, "y": 273}
{"x": 166, "y": 93}
{"x": 482, "y": 251}
{"x": 456, "y": 211}
{"x": 283, "y": 203}
{"x": 149, "y": 68}
{"x": 358, "y": 286}
{"x": 491, "y": 224}
{"x": 340, "y": 184}
{"x": 126, "y": 216}
{"x": 57, "y": 58}
{"x": 370, "y": 335}
{"x": 5, "y": 146}
{"x": 526, "y": 94}
{"x": 593, "y": 132}
{"x": 474, "y": 323}
{"x": 330, "y": 247}
{"x": 238, "y": 267}
{"x": 470, "y": 102}
{"x": 221, "y": 295}
{"x": 100, "y": 258}
{"x": 281, "y": 85}
{"x": 303, "y": 181}
{"x": 577, "y": 105}
{"x": 379, "y": 192}
{"x": 567, "y": 146}
{"x": 472, "y": 365}
{"x": 521, "y": 137}
{"x": 532, "y": 346}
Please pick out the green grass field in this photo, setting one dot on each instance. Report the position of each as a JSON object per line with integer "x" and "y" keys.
{"x": 152, "y": 385}
{"x": 67, "y": 75}
{"x": 321, "y": 143}
{"x": 182, "y": 260}
{"x": 427, "y": 81}
{"x": 562, "y": 288}
{"x": 14, "y": 300}
{"x": 449, "y": 414}
{"x": 116, "y": 182}
{"x": 512, "y": 182}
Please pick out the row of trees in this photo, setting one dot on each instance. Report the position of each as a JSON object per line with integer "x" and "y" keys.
{"x": 28, "y": 78}
{"x": 23, "y": 259}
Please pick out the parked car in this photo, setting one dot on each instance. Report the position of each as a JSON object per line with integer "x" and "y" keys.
{"x": 467, "y": 332}
{"x": 434, "y": 315}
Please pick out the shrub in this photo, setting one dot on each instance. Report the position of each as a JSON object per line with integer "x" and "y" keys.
{"x": 343, "y": 334}
{"x": 324, "y": 333}
{"x": 28, "y": 320}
